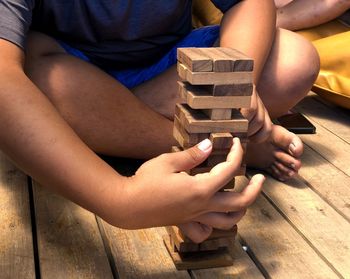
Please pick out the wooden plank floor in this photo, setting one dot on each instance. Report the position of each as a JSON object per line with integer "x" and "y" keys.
{"x": 299, "y": 229}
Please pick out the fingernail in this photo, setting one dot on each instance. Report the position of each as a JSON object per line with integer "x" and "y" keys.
{"x": 292, "y": 148}
{"x": 236, "y": 139}
{"x": 292, "y": 166}
{"x": 204, "y": 145}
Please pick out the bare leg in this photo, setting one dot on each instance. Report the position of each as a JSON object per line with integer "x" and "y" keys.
{"x": 111, "y": 120}
{"x": 300, "y": 14}
{"x": 289, "y": 72}
{"x": 106, "y": 115}
{"x": 287, "y": 77}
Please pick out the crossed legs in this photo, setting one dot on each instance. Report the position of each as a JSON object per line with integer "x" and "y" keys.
{"x": 136, "y": 123}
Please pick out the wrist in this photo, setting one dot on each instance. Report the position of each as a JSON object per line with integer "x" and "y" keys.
{"x": 115, "y": 202}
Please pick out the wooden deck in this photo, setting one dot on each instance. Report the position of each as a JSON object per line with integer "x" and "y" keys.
{"x": 296, "y": 230}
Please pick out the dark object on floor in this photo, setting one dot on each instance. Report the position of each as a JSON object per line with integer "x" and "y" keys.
{"x": 125, "y": 166}
{"x": 296, "y": 123}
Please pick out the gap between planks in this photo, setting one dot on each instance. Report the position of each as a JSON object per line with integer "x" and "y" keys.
{"x": 317, "y": 222}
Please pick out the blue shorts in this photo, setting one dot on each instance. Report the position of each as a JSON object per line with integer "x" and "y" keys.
{"x": 201, "y": 37}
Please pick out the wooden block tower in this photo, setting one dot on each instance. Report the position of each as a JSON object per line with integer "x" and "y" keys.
{"x": 216, "y": 83}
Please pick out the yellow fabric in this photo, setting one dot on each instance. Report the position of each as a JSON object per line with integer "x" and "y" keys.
{"x": 332, "y": 40}
{"x": 205, "y": 13}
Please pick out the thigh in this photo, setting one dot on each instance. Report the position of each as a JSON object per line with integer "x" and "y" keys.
{"x": 104, "y": 113}
{"x": 161, "y": 92}
{"x": 281, "y": 3}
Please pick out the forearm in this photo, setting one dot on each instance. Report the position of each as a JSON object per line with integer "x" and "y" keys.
{"x": 300, "y": 14}
{"x": 250, "y": 27}
{"x": 40, "y": 142}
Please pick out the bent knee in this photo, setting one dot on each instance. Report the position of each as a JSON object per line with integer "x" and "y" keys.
{"x": 39, "y": 44}
{"x": 300, "y": 62}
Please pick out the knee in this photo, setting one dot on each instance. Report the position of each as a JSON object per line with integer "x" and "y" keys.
{"x": 301, "y": 66}
{"x": 38, "y": 47}
{"x": 309, "y": 64}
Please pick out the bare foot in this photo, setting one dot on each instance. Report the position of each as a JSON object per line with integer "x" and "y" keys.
{"x": 279, "y": 155}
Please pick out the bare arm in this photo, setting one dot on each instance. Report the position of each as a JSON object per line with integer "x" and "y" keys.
{"x": 42, "y": 144}
{"x": 250, "y": 27}
{"x": 300, "y": 14}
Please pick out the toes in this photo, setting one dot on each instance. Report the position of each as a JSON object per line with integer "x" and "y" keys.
{"x": 286, "y": 172}
{"x": 287, "y": 160}
{"x": 287, "y": 141}
{"x": 275, "y": 172}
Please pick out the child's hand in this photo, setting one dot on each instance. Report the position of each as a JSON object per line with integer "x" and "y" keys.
{"x": 160, "y": 193}
{"x": 259, "y": 120}
{"x": 201, "y": 229}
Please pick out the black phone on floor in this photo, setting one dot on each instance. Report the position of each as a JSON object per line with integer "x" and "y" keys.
{"x": 296, "y": 123}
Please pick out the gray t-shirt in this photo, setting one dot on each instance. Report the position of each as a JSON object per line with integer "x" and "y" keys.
{"x": 110, "y": 32}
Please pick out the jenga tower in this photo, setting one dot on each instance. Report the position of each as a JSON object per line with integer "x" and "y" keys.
{"x": 216, "y": 83}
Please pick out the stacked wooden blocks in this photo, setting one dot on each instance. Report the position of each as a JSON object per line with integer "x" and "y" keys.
{"x": 216, "y": 83}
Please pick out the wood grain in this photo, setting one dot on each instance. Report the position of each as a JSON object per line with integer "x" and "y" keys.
{"x": 70, "y": 244}
{"x": 243, "y": 267}
{"x": 199, "y": 260}
{"x": 245, "y": 89}
{"x": 16, "y": 243}
{"x": 241, "y": 61}
{"x": 317, "y": 221}
{"x": 141, "y": 253}
{"x": 198, "y": 98}
{"x": 206, "y": 78}
{"x": 222, "y": 62}
{"x": 195, "y": 59}
{"x": 218, "y": 114}
{"x": 279, "y": 248}
{"x": 197, "y": 122}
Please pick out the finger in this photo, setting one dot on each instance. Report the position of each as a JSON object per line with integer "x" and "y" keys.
{"x": 223, "y": 173}
{"x": 195, "y": 231}
{"x": 223, "y": 221}
{"x": 231, "y": 201}
{"x": 189, "y": 158}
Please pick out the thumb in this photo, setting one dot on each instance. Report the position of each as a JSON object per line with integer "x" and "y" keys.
{"x": 191, "y": 157}
{"x": 197, "y": 232}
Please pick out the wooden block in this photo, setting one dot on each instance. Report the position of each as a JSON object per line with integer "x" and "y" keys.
{"x": 229, "y": 186}
{"x": 245, "y": 89}
{"x": 213, "y": 159}
{"x": 198, "y": 170}
{"x": 180, "y": 244}
{"x": 242, "y": 170}
{"x": 242, "y": 63}
{"x": 224, "y": 233}
{"x": 203, "y": 169}
{"x": 185, "y": 139}
{"x": 218, "y": 114}
{"x": 198, "y": 260}
{"x": 195, "y": 121}
{"x": 199, "y": 98}
{"x": 222, "y": 62}
{"x": 176, "y": 149}
{"x": 195, "y": 59}
{"x": 205, "y": 78}
{"x": 221, "y": 140}
{"x": 215, "y": 244}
